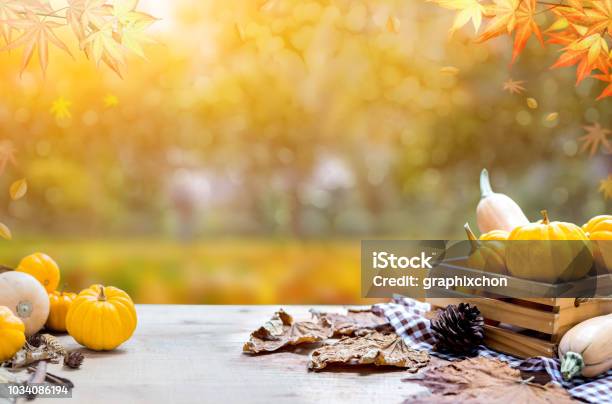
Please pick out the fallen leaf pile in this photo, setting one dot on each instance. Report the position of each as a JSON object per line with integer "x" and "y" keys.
{"x": 355, "y": 322}
{"x": 374, "y": 348}
{"x": 281, "y": 331}
{"x": 479, "y": 380}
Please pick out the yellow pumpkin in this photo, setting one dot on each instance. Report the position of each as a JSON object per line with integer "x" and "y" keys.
{"x": 43, "y": 268}
{"x": 599, "y": 230}
{"x": 12, "y": 334}
{"x": 488, "y": 255}
{"x": 101, "y": 318}
{"x": 60, "y": 303}
{"x": 590, "y": 226}
{"x": 497, "y": 211}
{"x": 535, "y": 251}
{"x": 499, "y": 235}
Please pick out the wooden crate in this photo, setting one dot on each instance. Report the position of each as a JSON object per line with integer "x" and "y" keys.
{"x": 524, "y": 327}
{"x": 530, "y": 327}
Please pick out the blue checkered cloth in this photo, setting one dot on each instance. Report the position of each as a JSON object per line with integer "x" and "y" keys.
{"x": 407, "y": 316}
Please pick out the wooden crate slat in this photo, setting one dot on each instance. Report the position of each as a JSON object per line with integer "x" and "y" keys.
{"x": 519, "y": 345}
{"x": 504, "y": 312}
{"x": 570, "y": 316}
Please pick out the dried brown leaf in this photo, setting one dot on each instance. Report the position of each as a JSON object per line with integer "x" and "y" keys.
{"x": 479, "y": 380}
{"x": 281, "y": 331}
{"x": 18, "y": 189}
{"x": 375, "y": 348}
{"x": 354, "y": 322}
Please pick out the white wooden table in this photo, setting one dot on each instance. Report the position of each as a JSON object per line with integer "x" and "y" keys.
{"x": 185, "y": 354}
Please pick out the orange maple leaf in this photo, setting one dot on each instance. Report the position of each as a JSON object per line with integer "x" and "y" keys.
{"x": 599, "y": 16}
{"x": 596, "y": 137}
{"x": 514, "y": 86}
{"x": 513, "y": 16}
{"x": 607, "y": 92}
{"x": 589, "y": 53}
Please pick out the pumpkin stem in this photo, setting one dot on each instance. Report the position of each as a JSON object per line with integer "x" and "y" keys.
{"x": 472, "y": 237}
{"x": 544, "y": 213}
{"x": 572, "y": 364}
{"x": 485, "y": 184}
{"x": 102, "y": 295}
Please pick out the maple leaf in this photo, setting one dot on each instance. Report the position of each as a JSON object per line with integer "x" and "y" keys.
{"x": 599, "y": 16}
{"x": 37, "y": 33}
{"x": 125, "y": 12}
{"x": 479, "y": 380}
{"x": 110, "y": 101}
{"x": 132, "y": 32}
{"x": 596, "y": 136}
{"x": 103, "y": 43}
{"x": 607, "y": 92}
{"x": 605, "y": 187}
{"x": 514, "y": 86}
{"x": 513, "y": 16}
{"x": 468, "y": 10}
{"x": 7, "y": 155}
{"x": 8, "y": 11}
{"x": 589, "y": 53}
{"x": 60, "y": 108}
{"x": 91, "y": 13}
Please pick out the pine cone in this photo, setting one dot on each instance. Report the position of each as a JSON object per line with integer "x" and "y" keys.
{"x": 36, "y": 340}
{"x": 74, "y": 360}
{"x": 458, "y": 329}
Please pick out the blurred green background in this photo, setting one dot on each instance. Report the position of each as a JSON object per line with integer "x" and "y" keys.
{"x": 262, "y": 140}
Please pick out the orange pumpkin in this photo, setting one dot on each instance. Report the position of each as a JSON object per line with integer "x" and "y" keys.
{"x": 60, "y": 303}
{"x": 599, "y": 230}
{"x": 43, "y": 268}
{"x": 536, "y": 251}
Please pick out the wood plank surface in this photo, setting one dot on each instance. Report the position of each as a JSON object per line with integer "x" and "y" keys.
{"x": 188, "y": 354}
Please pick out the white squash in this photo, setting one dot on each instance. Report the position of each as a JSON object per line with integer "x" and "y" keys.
{"x": 26, "y": 298}
{"x": 586, "y": 349}
{"x": 497, "y": 211}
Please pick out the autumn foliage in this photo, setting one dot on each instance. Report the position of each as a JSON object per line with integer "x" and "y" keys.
{"x": 581, "y": 27}
{"x": 105, "y": 31}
